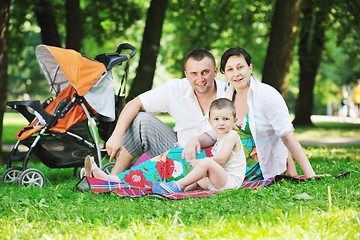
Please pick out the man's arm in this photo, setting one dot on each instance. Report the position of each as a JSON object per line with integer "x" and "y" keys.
{"x": 129, "y": 112}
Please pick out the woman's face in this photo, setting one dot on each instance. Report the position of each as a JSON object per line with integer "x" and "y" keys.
{"x": 238, "y": 72}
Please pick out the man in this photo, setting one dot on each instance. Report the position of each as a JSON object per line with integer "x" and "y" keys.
{"x": 187, "y": 100}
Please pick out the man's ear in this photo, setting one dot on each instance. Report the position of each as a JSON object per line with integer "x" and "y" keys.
{"x": 216, "y": 71}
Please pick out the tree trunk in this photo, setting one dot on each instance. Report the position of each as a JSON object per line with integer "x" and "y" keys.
{"x": 149, "y": 49}
{"x": 281, "y": 46}
{"x": 47, "y": 22}
{"x": 74, "y": 33}
{"x": 312, "y": 37}
{"x": 4, "y": 33}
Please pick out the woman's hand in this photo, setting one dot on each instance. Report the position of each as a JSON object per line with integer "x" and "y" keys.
{"x": 192, "y": 147}
{"x": 113, "y": 147}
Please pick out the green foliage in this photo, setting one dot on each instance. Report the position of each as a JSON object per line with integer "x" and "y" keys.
{"x": 104, "y": 21}
{"x": 210, "y": 24}
{"x": 25, "y": 80}
{"x": 227, "y": 24}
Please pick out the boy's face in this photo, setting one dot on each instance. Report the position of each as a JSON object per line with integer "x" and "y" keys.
{"x": 222, "y": 120}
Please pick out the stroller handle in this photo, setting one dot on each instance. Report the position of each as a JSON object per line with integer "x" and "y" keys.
{"x": 112, "y": 59}
{"x": 124, "y": 46}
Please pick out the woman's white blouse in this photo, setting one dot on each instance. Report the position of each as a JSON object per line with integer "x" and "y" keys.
{"x": 269, "y": 120}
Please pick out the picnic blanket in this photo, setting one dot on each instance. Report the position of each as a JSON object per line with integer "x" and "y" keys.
{"x": 100, "y": 186}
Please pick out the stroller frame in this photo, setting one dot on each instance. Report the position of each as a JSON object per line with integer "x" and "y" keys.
{"x": 33, "y": 177}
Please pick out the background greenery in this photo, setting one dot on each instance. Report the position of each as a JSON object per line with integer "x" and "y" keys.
{"x": 214, "y": 25}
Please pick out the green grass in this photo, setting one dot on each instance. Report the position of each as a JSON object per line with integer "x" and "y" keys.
{"x": 281, "y": 211}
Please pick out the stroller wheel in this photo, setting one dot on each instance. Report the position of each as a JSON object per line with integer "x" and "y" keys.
{"x": 11, "y": 175}
{"x": 31, "y": 177}
{"x": 108, "y": 167}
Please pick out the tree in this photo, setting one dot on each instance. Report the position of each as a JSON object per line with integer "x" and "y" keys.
{"x": 281, "y": 46}
{"x": 74, "y": 24}
{"x": 47, "y": 22}
{"x": 311, "y": 45}
{"x": 4, "y": 32}
{"x": 149, "y": 48}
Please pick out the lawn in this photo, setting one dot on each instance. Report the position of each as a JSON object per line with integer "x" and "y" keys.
{"x": 324, "y": 209}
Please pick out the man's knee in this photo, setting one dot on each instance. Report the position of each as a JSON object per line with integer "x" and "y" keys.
{"x": 141, "y": 118}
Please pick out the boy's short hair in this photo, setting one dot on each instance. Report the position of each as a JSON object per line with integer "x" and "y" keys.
{"x": 198, "y": 55}
{"x": 221, "y": 103}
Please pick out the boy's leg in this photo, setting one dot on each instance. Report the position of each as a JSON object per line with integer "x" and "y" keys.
{"x": 145, "y": 134}
{"x": 206, "y": 167}
{"x": 203, "y": 183}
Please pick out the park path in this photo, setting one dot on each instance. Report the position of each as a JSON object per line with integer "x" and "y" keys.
{"x": 333, "y": 141}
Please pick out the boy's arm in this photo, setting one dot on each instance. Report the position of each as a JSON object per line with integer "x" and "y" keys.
{"x": 230, "y": 141}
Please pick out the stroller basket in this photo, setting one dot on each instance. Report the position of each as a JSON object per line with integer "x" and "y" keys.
{"x": 64, "y": 150}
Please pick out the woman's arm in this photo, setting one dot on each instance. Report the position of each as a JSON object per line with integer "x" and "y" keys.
{"x": 297, "y": 151}
{"x": 195, "y": 144}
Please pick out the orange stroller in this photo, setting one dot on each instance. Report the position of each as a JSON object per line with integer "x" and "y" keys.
{"x": 61, "y": 130}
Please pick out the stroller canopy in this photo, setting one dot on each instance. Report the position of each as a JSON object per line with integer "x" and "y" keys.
{"x": 88, "y": 77}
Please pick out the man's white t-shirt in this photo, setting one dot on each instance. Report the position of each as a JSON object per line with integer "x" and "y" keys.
{"x": 177, "y": 98}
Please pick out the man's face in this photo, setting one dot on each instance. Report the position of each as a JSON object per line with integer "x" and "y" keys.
{"x": 201, "y": 74}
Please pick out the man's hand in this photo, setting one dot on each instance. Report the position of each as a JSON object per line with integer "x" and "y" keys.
{"x": 191, "y": 148}
{"x": 113, "y": 147}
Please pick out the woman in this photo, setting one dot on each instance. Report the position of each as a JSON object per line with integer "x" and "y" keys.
{"x": 264, "y": 123}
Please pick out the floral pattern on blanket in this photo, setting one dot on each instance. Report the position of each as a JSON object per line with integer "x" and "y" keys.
{"x": 166, "y": 167}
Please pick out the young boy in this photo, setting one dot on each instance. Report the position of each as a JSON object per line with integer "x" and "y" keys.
{"x": 227, "y": 168}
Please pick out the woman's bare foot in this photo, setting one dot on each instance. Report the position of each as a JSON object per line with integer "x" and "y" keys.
{"x": 91, "y": 169}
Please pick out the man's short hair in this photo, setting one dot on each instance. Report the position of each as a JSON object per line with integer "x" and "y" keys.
{"x": 221, "y": 103}
{"x": 198, "y": 55}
